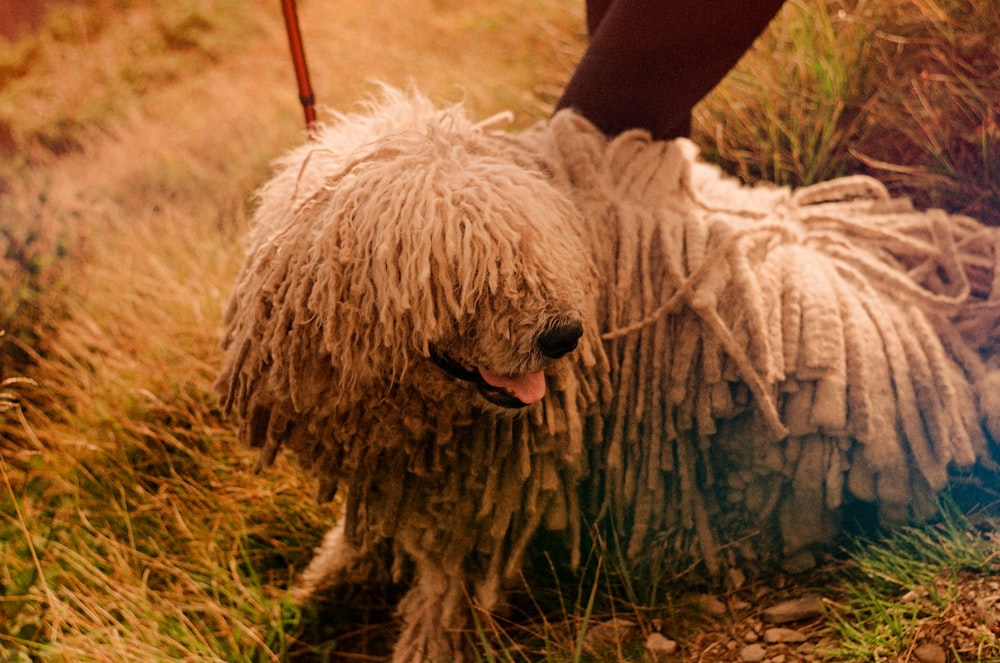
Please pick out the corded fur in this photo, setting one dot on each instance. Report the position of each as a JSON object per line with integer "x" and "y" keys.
{"x": 751, "y": 357}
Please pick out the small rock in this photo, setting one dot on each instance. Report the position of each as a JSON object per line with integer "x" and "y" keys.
{"x": 750, "y": 636}
{"x": 712, "y": 605}
{"x": 609, "y": 633}
{"x": 658, "y": 646}
{"x": 806, "y": 607}
{"x": 930, "y": 652}
{"x": 736, "y": 578}
{"x": 784, "y": 635}
{"x": 739, "y": 605}
{"x": 986, "y": 612}
{"x": 800, "y": 562}
{"x": 780, "y": 658}
{"x": 753, "y": 653}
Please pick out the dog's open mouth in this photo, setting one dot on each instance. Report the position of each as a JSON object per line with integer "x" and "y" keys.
{"x": 510, "y": 391}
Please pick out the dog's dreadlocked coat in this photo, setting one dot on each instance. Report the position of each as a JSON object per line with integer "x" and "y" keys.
{"x": 480, "y": 335}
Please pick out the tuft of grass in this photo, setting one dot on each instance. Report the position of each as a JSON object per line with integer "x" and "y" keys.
{"x": 907, "y": 589}
{"x": 933, "y": 123}
{"x": 788, "y": 112}
{"x": 906, "y": 90}
{"x": 149, "y": 549}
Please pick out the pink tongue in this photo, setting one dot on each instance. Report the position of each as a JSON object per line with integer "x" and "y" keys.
{"x": 528, "y": 388}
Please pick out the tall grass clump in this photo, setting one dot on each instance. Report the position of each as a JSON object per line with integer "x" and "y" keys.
{"x": 932, "y": 124}
{"x": 906, "y": 90}
{"x": 789, "y": 110}
{"x": 916, "y": 586}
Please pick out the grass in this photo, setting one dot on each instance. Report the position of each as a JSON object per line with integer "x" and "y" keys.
{"x": 34, "y": 271}
{"x": 132, "y": 528}
{"x": 798, "y": 107}
{"x": 905, "y": 90}
{"x": 131, "y": 138}
{"x": 914, "y": 587}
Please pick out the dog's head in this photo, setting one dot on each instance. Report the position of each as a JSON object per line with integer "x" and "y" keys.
{"x": 437, "y": 257}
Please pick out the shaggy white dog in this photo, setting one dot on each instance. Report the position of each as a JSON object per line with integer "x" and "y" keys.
{"x": 741, "y": 361}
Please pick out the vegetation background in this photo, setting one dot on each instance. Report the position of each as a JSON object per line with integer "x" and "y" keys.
{"x": 132, "y": 136}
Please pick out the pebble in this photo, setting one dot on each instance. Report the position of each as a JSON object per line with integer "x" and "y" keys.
{"x": 784, "y": 635}
{"x": 806, "y": 607}
{"x": 739, "y": 605}
{"x": 753, "y": 653}
{"x": 800, "y": 562}
{"x": 986, "y": 612}
{"x": 609, "y": 632}
{"x": 659, "y": 646}
{"x": 712, "y": 605}
{"x": 930, "y": 653}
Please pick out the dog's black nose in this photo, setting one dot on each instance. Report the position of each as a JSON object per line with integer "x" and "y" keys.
{"x": 561, "y": 339}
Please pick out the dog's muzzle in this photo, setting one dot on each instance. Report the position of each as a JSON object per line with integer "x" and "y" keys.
{"x": 455, "y": 369}
{"x": 515, "y": 391}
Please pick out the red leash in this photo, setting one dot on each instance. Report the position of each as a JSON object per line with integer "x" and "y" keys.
{"x": 306, "y": 95}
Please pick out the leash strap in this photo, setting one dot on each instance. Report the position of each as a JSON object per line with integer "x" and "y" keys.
{"x": 306, "y": 95}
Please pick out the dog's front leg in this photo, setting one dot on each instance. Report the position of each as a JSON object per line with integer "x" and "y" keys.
{"x": 336, "y": 562}
{"x": 436, "y": 615}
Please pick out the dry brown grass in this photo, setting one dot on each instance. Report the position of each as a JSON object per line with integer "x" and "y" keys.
{"x": 133, "y": 528}
{"x": 907, "y": 90}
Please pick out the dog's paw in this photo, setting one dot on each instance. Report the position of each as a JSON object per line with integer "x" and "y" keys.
{"x": 333, "y": 564}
